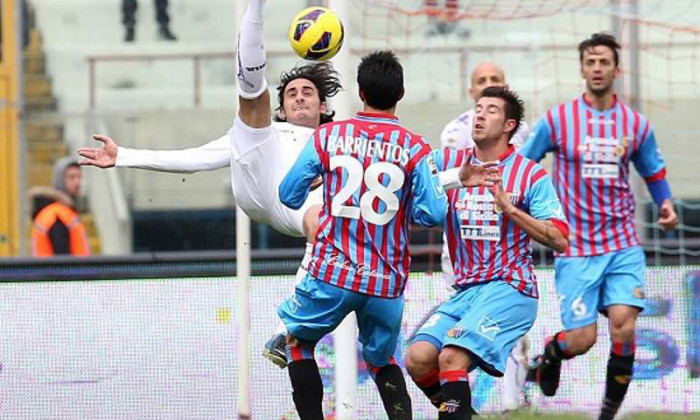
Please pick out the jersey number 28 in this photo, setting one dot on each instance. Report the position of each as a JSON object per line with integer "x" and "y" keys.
{"x": 374, "y": 190}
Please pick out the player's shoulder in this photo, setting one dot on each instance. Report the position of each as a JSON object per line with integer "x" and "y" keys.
{"x": 558, "y": 112}
{"x": 633, "y": 115}
{"x": 534, "y": 170}
{"x": 451, "y": 157}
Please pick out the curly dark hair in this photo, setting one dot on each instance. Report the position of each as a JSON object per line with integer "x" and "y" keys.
{"x": 321, "y": 74}
{"x": 514, "y": 105}
{"x": 598, "y": 39}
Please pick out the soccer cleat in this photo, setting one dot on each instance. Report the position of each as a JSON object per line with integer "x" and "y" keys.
{"x": 275, "y": 350}
{"x": 547, "y": 373}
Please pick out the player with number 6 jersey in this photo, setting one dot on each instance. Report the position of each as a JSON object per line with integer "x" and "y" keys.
{"x": 594, "y": 138}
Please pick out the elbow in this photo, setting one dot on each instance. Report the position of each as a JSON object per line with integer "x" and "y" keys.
{"x": 562, "y": 245}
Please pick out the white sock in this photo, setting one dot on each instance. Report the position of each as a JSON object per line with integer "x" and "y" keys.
{"x": 251, "y": 52}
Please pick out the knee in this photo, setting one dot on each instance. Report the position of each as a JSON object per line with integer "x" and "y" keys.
{"x": 622, "y": 331}
{"x": 453, "y": 358}
{"x": 420, "y": 361}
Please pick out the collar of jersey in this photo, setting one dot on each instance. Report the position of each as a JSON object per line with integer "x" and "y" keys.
{"x": 377, "y": 117}
{"x": 505, "y": 155}
{"x": 588, "y": 104}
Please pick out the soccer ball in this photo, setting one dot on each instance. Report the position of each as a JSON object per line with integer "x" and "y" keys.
{"x": 316, "y": 34}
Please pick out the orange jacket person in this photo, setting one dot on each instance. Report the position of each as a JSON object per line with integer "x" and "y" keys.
{"x": 57, "y": 229}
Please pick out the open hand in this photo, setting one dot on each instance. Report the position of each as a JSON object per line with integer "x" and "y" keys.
{"x": 102, "y": 157}
{"x": 474, "y": 175}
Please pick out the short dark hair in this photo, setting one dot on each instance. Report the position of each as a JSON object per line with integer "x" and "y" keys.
{"x": 380, "y": 79}
{"x": 321, "y": 74}
{"x": 598, "y": 39}
{"x": 514, "y": 108}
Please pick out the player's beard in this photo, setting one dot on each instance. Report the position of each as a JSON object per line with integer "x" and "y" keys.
{"x": 600, "y": 91}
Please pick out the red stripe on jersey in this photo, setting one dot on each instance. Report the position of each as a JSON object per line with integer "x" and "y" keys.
{"x": 644, "y": 135}
{"x": 614, "y": 188}
{"x": 550, "y": 122}
{"x": 541, "y": 173}
{"x": 521, "y": 282}
{"x": 523, "y": 245}
{"x": 561, "y": 226}
{"x": 590, "y": 220}
{"x": 577, "y": 173}
{"x": 517, "y": 162}
{"x": 656, "y": 177}
{"x": 601, "y": 183}
{"x": 629, "y": 235}
{"x": 396, "y": 261}
{"x": 322, "y": 155}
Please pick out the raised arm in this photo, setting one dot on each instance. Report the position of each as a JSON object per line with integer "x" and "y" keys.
{"x": 208, "y": 157}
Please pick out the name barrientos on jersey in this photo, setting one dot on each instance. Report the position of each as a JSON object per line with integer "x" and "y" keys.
{"x": 363, "y": 148}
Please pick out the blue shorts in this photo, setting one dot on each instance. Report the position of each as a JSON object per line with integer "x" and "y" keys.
{"x": 588, "y": 285}
{"x": 317, "y": 308}
{"x": 487, "y": 320}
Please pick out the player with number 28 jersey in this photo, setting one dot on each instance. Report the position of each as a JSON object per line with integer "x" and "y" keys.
{"x": 377, "y": 178}
{"x": 371, "y": 167}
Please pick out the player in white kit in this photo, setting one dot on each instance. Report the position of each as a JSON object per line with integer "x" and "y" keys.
{"x": 259, "y": 151}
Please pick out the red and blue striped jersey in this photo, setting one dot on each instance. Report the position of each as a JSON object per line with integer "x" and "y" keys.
{"x": 377, "y": 178}
{"x": 592, "y": 151}
{"x": 484, "y": 244}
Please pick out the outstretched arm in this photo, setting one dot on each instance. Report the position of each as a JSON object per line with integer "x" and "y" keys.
{"x": 254, "y": 98}
{"x": 208, "y": 157}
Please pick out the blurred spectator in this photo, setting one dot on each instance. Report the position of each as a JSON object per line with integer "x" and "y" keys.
{"x": 128, "y": 17}
{"x": 443, "y": 21}
{"x": 57, "y": 228}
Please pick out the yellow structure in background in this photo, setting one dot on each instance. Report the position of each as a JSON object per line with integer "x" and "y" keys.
{"x": 9, "y": 132}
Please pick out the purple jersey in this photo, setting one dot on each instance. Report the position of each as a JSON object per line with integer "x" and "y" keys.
{"x": 592, "y": 151}
{"x": 484, "y": 244}
{"x": 377, "y": 177}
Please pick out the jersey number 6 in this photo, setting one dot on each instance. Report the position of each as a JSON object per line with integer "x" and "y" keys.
{"x": 374, "y": 190}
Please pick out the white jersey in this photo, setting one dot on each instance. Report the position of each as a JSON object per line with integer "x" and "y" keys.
{"x": 457, "y": 134}
{"x": 259, "y": 160}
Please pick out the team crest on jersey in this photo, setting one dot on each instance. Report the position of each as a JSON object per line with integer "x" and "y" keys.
{"x": 622, "y": 146}
{"x": 638, "y": 293}
{"x": 455, "y": 332}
